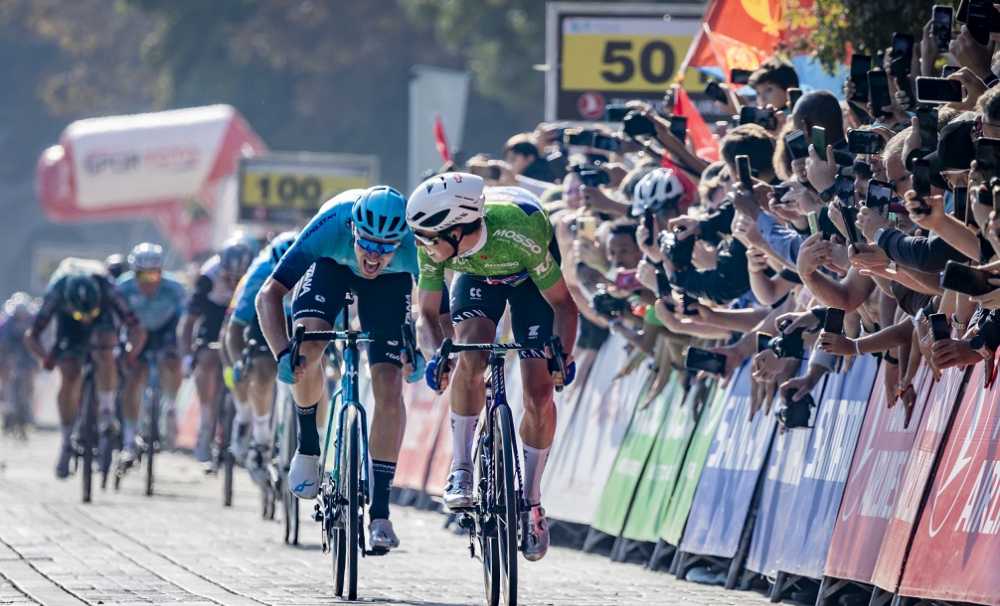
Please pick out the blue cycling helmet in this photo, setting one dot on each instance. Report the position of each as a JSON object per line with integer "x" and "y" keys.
{"x": 280, "y": 245}
{"x": 380, "y": 212}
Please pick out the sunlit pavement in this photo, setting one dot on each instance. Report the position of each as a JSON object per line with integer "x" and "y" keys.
{"x": 182, "y": 546}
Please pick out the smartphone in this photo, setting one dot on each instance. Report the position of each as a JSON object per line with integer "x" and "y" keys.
{"x": 941, "y": 18}
{"x": 648, "y": 223}
{"x": 583, "y": 138}
{"x": 663, "y": 289}
{"x": 819, "y": 141}
{"x": 701, "y": 359}
{"x": 779, "y": 192}
{"x": 834, "y": 321}
{"x": 739, "y": 76}
{"x": 960, "y": 208}
{"x": 743, "y": 169}
{"x": 794, "y": 94}
{"x": 627, "y": 280}
{"x": 493, "y": 173}
{"x": 901, "y": 57}
{"x": 927, "y": 118}
{"x": 938, "y": 90}
{"x": 966, "y": 279}
{"x": 987, "y": 155}
{"x": 879, "y": 194}
{"x": 616, "y": 112}
{"x": 714, "y": 92}
{"x": 586, "y": 227}
{"x": 860, "y": 66}
{"x": 813, "y": 220}
{"x": 850, "y": 214}
{"x": 864, "y": 142}
{"x": 922, "y": 177}
{"x": 948, "y": 70}
{"x": 606, "y": 143}
{"x": 756, "y": 115}
{"x": 978, "y": 18}
{"x": 635, "y": 124}
{"x": 763, "y": 341}
{"x": 878, "y": 92}
{"x": 939, "y": 326}
{"x": 797, "y": 146}
{"x": 679, "y": 127}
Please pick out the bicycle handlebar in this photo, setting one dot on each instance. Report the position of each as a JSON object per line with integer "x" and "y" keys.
{"x": 300, "y": 336}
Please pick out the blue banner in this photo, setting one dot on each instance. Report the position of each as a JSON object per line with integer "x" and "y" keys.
{"x": 806, "y": 475}
{"x": 728, "y": 481}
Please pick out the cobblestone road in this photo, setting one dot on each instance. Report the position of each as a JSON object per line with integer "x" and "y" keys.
{"x": 183, "y": 547}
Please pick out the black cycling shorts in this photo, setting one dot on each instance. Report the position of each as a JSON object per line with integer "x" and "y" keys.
{"x": 382, "y": 304}
{"x": 162, "y": 341}
{"x": 74, "y": 339}
{"x": 531, "y": 314}
{"x": 252, "y": 332}
{"x": 210, "y": 324}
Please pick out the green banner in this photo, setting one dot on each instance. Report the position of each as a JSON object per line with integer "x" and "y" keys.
{"x": 680, "y": 502}
{"x": 632, "y": 456}
{"x": 660, "y": 475}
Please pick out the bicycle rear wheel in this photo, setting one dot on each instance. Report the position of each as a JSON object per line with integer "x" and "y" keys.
{"x": 507, "y": 512}
{"x": 88, "y": 435}
{"x": 226, "y": 414}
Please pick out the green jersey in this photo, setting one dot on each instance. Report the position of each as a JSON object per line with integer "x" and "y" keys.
{"x": 518, "y": 233}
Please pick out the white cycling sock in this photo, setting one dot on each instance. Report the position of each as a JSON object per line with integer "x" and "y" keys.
{"x": 167, "y": 403}
{"x": 534, "y": 466}
{"x": 106, "y": 402}
{"x": 261, "y": 429}
{"x": 243, "y": 412}
{"x": 463, "y": 431}
{"x": 128, "y": 433}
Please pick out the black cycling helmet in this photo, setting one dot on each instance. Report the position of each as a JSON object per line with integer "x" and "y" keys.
{"x": 236, "y": 257}
{"x": 116, "y": 265}
{"x": 83, "y": 295}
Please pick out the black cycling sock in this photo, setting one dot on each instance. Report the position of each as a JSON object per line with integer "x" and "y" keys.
{"x": 308, "y": 434}
{"x": 384, "y": 472}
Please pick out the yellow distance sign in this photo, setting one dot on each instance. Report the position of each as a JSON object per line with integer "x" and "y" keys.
{"x": 629, "y": 54}
{"x": 279, "y": 189}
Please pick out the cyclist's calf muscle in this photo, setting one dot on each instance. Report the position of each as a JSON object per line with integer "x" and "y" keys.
{"x": 468, "y": 387}
{"x": 310, "y": 385}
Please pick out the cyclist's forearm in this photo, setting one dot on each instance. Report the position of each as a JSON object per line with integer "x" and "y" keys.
{"x": 234, "y": 340}
{"x": 185, "y": 333}
{"x": 565, "y": 324}
{"x": 137, "y": 336}
{"x": 271, "y": 315}
{"x": 34, "y": 346}
{"x": 430, "y": 334}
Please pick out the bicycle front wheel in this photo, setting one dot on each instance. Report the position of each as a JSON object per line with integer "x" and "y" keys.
{"x": 507, "y": 511}
{"x": 227, "y": 414}
{"x": 88, "y": 434}
{"x": 286, "y": 447}
{"x": 152, "y": 435}
{"x": 350, "y": 475}
{"x": 488, "y": 544}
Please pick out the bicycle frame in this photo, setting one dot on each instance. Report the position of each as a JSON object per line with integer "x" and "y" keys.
{"x": 349, "y": 398}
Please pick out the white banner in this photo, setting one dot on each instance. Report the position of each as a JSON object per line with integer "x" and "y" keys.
{"x": 434, "y": 91}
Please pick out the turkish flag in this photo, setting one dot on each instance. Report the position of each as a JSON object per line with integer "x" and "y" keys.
{"x": 704, "y": 143}
{"x": 440, "y": 140}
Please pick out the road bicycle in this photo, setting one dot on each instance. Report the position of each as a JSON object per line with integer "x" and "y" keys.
{"x": 498, "y": 519}
{"x": 91, "y": 444}
{"x": 149, "y": 438}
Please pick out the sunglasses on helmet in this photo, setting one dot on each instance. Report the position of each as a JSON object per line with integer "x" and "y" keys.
{"x": 80, "y": 316}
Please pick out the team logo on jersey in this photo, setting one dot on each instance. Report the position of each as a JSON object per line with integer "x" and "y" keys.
{"x": 307, "y": 279}
{"x": 476, "y": 293}
{"x": 320, "y": 299}
{"x": 544, "y": 267}
{"x": 533, "y": 331}
{"x": 519, "y": 239}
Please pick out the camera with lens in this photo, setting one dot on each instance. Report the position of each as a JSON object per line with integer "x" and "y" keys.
{"x": 635, "y": 124}
{"x": 788, "y": 345}
{"x": 795, "y": 413}
{"x": 679, "y": 252}
{"x": 608, "y": 305}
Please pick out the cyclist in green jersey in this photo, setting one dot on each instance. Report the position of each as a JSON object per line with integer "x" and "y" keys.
{"x": 499, "y": 242}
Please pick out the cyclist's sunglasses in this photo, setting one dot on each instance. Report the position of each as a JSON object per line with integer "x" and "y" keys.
{"x": 374, "y": 246}
{"x": 80, "y": 316}
{"x": 148, "y": 276}
{"x": 425, "y": 240}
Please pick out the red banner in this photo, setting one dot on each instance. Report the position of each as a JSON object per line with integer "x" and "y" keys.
{"x": 874, "y": 483}
{"x": 955, "y": 554}
{"x": 705, "y": 145}
{"x": 941, "y": 401}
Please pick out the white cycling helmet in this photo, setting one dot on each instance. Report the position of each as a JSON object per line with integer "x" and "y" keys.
{"x": 444, "y": 201}
{"x": 657, "y": 189}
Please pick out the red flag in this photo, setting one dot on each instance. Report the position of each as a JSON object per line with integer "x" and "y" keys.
{"x": 704, "y": 143}
{"x": 440, "y": 140}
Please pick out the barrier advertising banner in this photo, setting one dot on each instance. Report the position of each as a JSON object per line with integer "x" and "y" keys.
{"x": 729, "y": 479}
{"x": 657, "y": 483}
{"x": 781, "y": 479}
{"x": 676, "y": 515}
{"x": 874, "y": 483}
{"x": 424, "y": 410}
{"x": 941, "y": 402}
{"x": 586, "y": 445}
{"x": 633, "y": 454}
{"x": 824, "y": 469}
{"x": 955, "y": 554}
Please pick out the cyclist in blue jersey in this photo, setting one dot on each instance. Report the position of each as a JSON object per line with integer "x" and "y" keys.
{"x": 358, "y": 241}
{"x": 158, "y": 302}
{"x": 256, "y": 384}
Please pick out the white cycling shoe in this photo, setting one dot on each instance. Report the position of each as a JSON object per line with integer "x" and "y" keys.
{"x": 458, "y": 492}
{"x": 381, "y": 535}
{"x": 536, "y": 544}
{"x": 303, "y": 476}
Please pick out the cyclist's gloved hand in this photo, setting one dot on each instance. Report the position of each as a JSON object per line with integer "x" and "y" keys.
{"x": 238, "y": 371}
{"x": 229, "y": 378}
{"x": 418, "y": 365}
{"x": 432, "y": 372}
{"x": 570, "y": 373}
{"x": 285, "y": 372}
{"x": 187, "y": 364}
